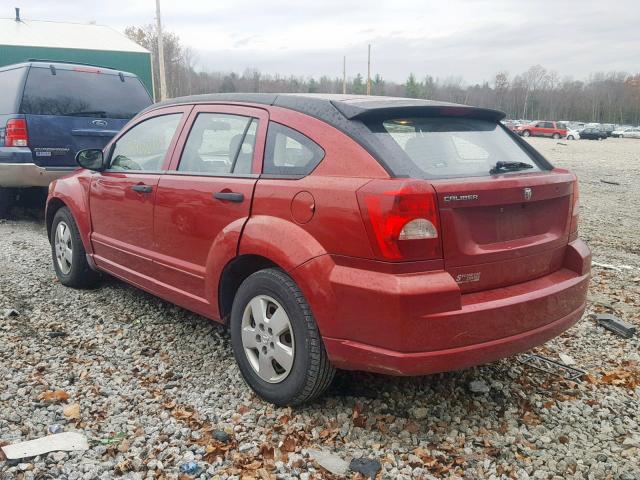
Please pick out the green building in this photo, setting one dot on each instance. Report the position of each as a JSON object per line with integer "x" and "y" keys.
{"x": 21, "y": 40}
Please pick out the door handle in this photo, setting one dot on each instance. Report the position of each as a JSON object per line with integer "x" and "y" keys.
{"x": 229, "y": 196}
{"x": 142, "y": 188}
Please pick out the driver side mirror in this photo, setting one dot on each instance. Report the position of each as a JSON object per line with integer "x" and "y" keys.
{"x": 91, "y": 159}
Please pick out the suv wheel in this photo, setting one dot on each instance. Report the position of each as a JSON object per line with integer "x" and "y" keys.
{"x": 526, "y": 133}
{"x": 69, "y": 256}
{"x": 6, "y": 198}
{"x": 556, "y": 136}
{"x": 276, "y": 341}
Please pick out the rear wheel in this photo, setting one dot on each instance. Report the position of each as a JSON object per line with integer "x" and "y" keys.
{"x": 6, "y": 199}
{"x": 69, "y": 256}
{"x": 526, "y": 133}
{"x": 570, "y": 137}
{"x": 276, "y": 341}
{"x": 556, "y": 136}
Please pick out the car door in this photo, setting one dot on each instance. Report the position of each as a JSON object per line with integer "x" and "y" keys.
{"x": 205, "y": 198}
{"x": 538, "y": 129}
{"x": 122, "y": 197}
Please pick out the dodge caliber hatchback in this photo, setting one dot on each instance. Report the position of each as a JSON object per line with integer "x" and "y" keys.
{"x": 51, "y": 110}
{"x": 398, "y": 236}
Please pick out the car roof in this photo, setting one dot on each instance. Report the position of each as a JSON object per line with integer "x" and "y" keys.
{"x": 326, "y": 106}
{"x": 340, "y": 111}
{"x": 64, "y": 66}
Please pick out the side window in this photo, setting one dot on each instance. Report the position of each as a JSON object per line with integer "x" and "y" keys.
{"x": 144, "y": 147}
{"x": 289, "y": 152}
{"x": 219, "y": 144}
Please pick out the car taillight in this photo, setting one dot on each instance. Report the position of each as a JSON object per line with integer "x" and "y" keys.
{"x": 15, "y": 134}
{"x": 575, "y": 211}
{"x": 402, "y": 220}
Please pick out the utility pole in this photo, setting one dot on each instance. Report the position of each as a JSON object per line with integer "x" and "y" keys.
{"x": 163, "y": 79}
{"x": 344, "y": 74}
{"x": 369, "y": 71}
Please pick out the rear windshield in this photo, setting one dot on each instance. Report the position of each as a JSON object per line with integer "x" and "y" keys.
{"x": 443, "y": 147}
{"x": 83, "y": 94}
{"x": 10, "y": 85}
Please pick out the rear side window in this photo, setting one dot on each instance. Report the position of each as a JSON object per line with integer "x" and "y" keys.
{"x": 144, "y": 147}
{"x": 219, "y": 144}
{"x": 289, "y": 152}
{"x": 442, "y": 147}
{"x": 10, "y": 90}
{"x": 83, "y": 94}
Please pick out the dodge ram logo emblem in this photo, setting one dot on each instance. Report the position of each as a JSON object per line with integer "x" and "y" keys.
{"x": 528, "y": 193}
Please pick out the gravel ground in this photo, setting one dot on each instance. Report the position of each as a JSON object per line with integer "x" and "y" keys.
{"x": 153, "y": 386}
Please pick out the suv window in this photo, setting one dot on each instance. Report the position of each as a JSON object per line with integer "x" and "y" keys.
{"x": 144, "y": 147}
{"x": 219, "y": 144}
{"x": 442, "y": 147}
{"x": 10, "y": 85}
{"x": 289, "y": 152}
{"x": 82, "y": 93}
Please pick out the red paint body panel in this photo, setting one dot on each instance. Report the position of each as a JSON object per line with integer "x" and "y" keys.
{"x": 510, "y": 277}
{"x": 73, "y": 191}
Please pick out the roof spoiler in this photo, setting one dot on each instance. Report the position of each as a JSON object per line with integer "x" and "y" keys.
{"x": 67, "y": 62}
{"x": 414, "y": 108}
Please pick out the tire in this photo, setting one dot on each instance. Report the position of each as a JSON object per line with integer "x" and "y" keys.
{"x": 6, "y": 199}
{"x": 570, "y": 137}
{"x": 526, "y": 133}
{"x": 621, "y": 136}
{"x": 72, "y": 268}
{"x": 310, "y": 372}
{"x": 556, "y": 136}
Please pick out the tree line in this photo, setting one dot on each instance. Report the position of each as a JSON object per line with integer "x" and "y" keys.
{"x": 538, "y": 93}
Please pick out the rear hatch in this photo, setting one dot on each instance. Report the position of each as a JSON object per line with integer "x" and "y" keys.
{"x": 70, "y": 108}
{"x": 503, "y": 230}
{"x": 505, "y": 213}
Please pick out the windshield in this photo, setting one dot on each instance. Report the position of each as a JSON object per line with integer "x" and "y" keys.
{"x": 83, "y": 94}
{"x": 441, "y": 147}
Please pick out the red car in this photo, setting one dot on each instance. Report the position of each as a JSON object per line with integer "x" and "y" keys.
{"x": 398, "y": 236}
{"x": 543, "y": 129}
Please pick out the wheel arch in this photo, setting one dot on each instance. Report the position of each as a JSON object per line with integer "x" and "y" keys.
{"x": 265, "y": 242}
{"x": 53, "y": 205}
{"x": 233, "y": 274}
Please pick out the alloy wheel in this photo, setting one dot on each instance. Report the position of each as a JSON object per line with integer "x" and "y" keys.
{"x": 267, "y": 338}
{"x": 64, "y": 248}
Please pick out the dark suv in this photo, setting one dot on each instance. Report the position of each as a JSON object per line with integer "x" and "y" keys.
{"x": 51, "y": 110}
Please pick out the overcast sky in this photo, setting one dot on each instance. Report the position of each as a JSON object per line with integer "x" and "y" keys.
{"x": 472, "y": 39}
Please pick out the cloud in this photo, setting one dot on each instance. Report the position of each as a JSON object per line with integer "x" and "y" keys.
{"x": 472, "y": 39}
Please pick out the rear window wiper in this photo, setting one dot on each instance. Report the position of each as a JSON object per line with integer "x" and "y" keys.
{"x": 509, "y": 167}
{"x": 87, "y": 113}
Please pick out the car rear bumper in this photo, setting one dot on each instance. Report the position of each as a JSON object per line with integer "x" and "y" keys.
{"x": 29, "y": 174}
{"x": 416, "y": 324}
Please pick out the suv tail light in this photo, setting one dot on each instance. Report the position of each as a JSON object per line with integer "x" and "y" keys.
{"x": 16, "y": 133}
{"x": 401, "y": 218}
{"x": 575, "y": 212}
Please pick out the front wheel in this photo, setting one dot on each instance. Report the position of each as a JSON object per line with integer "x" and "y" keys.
{"x": 526, "y": 133}
{"x": 69, "y": 256}
{"x": 276, "y": 341}
{"x": 570, "y": 137}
